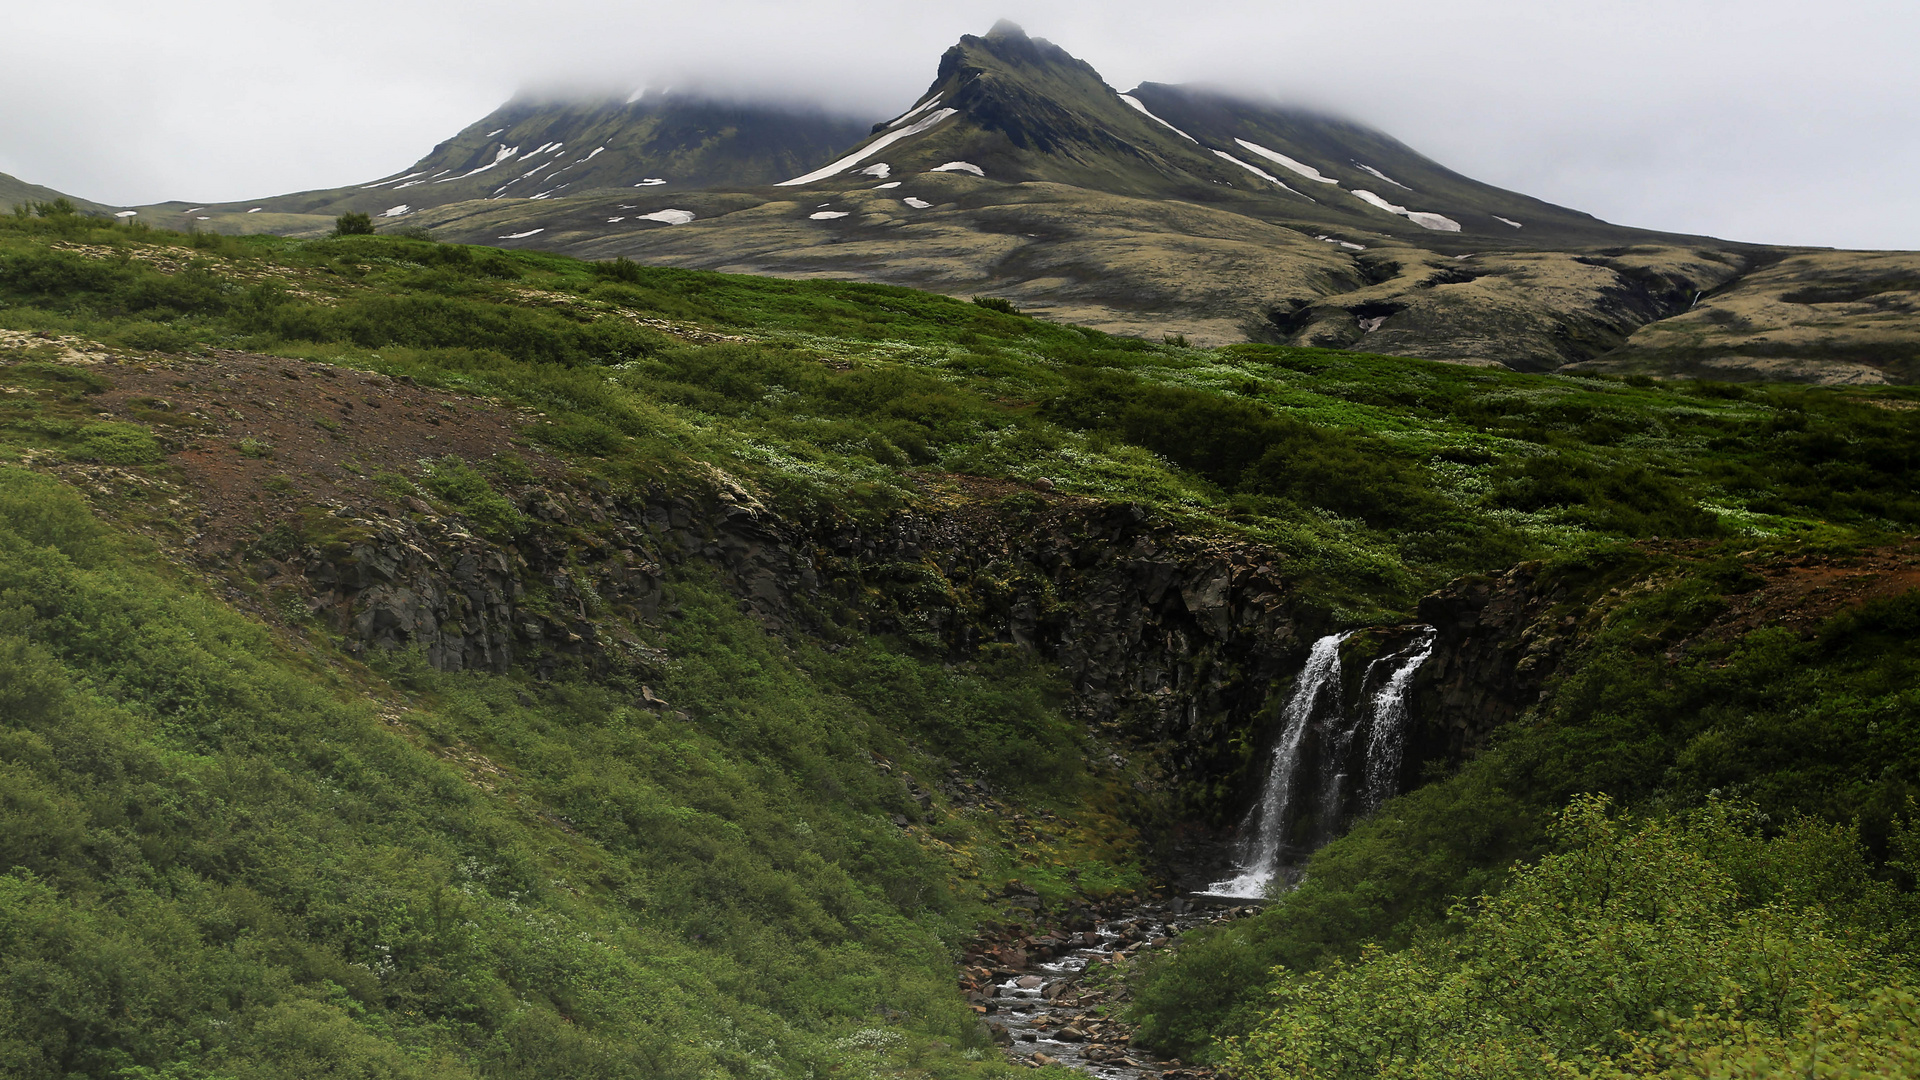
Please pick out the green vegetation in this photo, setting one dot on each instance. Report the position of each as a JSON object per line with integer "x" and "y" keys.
{"x": 1817, "y": 728}
{"x": 230, "y": 853}
{"x": 1641, "y": 948}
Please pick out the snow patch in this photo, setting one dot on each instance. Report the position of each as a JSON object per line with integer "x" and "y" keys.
{"x": 408, "y": 184}
{"x": 494, "y": 132}
{"x": 392, "y": 211}
{"x": 1259, "y": 172}
{"x": 613, "y": 220}
{"x": 591, "y": 154}
{"x": 256, "y": 209}
{"x": 879, "y": 170}
{"x": 671, "y": 217}
{"x": 203, "y": 217}
{"x": 1508, "y": 221}
{"x": 827, "y": 215}
{"x": 523, "y": 235}
{"x": 870, "y": 149}
{"x": 195, "y": 210}
{"x": 636, "y": 95}
{"x": 1284, "y": 161}
{"x": 959, "y": 166}
{"x": 651, "y": 181}
{"x": 1348, "y": 244}
{"x": 395, "y": 180}
{"x": 128, "y": 213}
{"x": 913, "y": 112}
{"x": 1142, "y": 109}
{"x": 1425, "y": 220}
{"x": 887, "y": 186}
{"x": 1371, "y": 171}
{"x": 499, "y": 156}
{"x": 917, "y": 204}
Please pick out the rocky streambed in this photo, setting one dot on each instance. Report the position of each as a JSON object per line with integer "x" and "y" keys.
{"x": 1050, "y": 997}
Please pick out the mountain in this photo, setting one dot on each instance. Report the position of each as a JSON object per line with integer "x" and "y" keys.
{"x": 1166, "y": 210}
{"x": 538, "y": 148}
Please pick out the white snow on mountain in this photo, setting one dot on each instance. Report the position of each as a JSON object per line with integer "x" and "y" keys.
{"x": 671, "y": 217}
{"x": 591, "y": 154}
{"x": 913, "y": 112}
{"x": 1436, "y": 222}
{"x": 870, "y": 149}
{"x": 256, "y": 209}
{"x": 651, "y": 181}
{"x": 1142, "y": 109}
{"x": 195, "y": 210}
{"x": 887, "y": 186}
{"x": 612, "y": 220}
{"x": 959, "y": 166}
{"x": 127, "y": 213}
{"x": 879, "y": 170}
{"x": 636, "y": 95}
{"x": 1370, "y": 170}
{"x": 1508, "y": 221}
{"x": 395, "y": 180}
{"x": 392, "y": 211}
{"x": 1283, "y": 160}
{"x": 499, "y": 156}
{"x": 1259, "y": 172}
{"x": 522, "y": 235}
{"x": 917, "y": 204}
{"x": 827, "y": 215}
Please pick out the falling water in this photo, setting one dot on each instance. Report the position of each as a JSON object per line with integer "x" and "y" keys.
{"x": 1387, "y": 722}
{"x": 1266, "y": 823}
{"x": 1315, "y": 705}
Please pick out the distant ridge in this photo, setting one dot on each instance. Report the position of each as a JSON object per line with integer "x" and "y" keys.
{"x": 15, "y": 192}
{"x": 541, "y": 148}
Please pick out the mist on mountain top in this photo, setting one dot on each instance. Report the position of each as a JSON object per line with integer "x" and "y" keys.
{"x": 1756, "y": 119}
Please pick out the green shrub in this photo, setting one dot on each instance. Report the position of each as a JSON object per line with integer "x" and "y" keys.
{"x": 353, "y": 223}
{"x": 1554, "y": 974}
{"x": 468, "y": 490}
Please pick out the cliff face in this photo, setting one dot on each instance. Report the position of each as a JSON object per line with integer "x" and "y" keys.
{"x": 1179, "y": 648}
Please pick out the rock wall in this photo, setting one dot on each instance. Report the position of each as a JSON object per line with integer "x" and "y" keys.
{"x": 1177, "y": 647}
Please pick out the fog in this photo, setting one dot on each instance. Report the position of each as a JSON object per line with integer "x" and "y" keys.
{"x": 1760, "y": 120}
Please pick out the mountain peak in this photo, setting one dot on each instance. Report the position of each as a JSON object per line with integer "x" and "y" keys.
{"x": 1006, "y": 28}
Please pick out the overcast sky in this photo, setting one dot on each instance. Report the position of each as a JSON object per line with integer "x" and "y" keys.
{"x": 1766, "y": 120}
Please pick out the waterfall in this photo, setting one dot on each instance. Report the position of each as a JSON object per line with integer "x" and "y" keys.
{"x": 1388, "y": 714}
{"x": 1265, "y": 828}
{"x": 1316, "y": 707}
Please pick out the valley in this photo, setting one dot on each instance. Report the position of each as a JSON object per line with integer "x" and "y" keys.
{"x": 609, "y": 670}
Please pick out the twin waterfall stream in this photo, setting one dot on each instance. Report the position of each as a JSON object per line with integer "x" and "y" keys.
{"x": 1332, "y": 764}
{"x": 1309, "y": 798}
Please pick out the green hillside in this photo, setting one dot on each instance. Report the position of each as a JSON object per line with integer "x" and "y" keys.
{"x": 428, "y": 660}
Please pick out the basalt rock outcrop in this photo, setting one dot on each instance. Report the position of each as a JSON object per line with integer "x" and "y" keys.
{"x": 1175, "y": 646}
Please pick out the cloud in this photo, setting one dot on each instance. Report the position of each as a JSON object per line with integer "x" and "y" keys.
{"x": 1764, "y": 120}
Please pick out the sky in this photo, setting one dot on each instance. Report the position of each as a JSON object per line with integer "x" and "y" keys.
{"x": 1772, "y": 121}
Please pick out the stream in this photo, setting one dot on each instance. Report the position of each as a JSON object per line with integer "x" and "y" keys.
{"x": 1050, "y": 1018}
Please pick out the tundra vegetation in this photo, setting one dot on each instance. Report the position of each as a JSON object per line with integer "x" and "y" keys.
{"x": 231, "y": 852}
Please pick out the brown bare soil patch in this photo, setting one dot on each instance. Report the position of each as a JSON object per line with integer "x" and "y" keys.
{"x": 1801, "y": 593}
{"x": 258, "y": 439}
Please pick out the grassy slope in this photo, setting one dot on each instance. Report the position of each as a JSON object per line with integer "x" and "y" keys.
{"x": 189, "y": 746}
